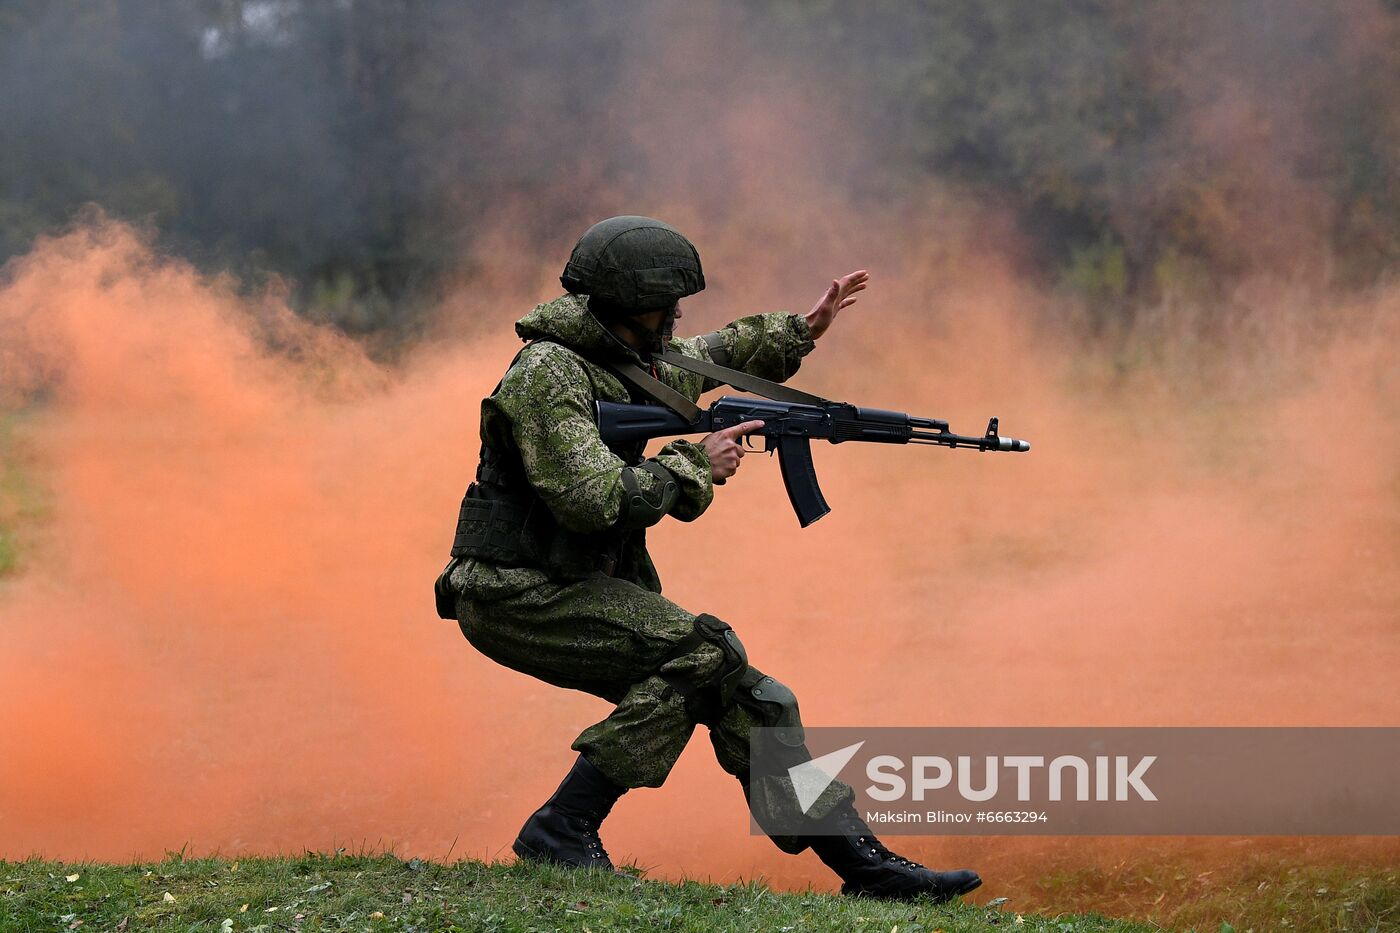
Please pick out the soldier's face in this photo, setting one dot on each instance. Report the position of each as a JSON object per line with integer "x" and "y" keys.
{"x": 655, "y": 320}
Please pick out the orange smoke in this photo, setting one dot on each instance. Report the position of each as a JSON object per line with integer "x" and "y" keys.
{"x": 225, "y": 637}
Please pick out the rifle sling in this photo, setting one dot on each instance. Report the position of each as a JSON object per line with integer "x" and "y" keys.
{"x": 660, "y": 392}
{"x": 656, "y": 390}
{"x": 739, "y": 380}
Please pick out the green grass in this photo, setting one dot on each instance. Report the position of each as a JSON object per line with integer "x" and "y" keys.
{"x": 1265, "y": 892}
{"x": 1315, "y": 899}
{"x": 383, "y": 893}
{"x": 23, "y": 502}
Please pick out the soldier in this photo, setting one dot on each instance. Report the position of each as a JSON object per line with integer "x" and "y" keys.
{"x": 550, "y": 573}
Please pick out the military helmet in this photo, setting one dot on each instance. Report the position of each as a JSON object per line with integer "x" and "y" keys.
{"x": 635, "y": 263}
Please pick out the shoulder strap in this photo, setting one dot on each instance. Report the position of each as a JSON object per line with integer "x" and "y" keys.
{"x": 662, "y": 394}
{"x": 740, "y": 380}
{"x": 655, "y": 389}
{"x": 643, "y": 381}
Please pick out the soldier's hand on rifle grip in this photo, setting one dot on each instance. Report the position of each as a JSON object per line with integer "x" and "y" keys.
{"x": 725, "y": 450}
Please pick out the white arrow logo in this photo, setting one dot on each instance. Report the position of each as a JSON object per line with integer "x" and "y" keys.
{"x": 812, "y": 777}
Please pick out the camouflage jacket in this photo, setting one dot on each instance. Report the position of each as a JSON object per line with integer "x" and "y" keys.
{"x": 542, "y": 418}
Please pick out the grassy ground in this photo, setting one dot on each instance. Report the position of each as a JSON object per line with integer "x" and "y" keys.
{"x": 23, "y": 502}
{"x": 1267, "y": 892}
{"x": 383, "y": 893}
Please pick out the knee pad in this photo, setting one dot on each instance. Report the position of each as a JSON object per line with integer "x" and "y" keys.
{"x": 775, "y": 704}
{"x": 706, "y": 699}
{"x": 736, "y": 659}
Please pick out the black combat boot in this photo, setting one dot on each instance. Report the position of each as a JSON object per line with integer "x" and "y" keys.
{"x": 565, "y": 830}
{"x": 870, "y": 870}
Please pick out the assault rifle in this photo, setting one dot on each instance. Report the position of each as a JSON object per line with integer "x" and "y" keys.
{"x": 789, "y": 428}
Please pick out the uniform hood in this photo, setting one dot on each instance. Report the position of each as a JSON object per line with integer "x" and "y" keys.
{"x": 567, "y": 320}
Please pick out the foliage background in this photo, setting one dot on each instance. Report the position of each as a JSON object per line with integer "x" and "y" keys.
{"x": 359, "y": 148}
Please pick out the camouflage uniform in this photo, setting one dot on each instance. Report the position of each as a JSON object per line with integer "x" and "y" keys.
{"x": 570, "y": 622}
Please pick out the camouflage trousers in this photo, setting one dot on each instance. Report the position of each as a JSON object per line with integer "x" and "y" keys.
{"x": 618, "y": 641}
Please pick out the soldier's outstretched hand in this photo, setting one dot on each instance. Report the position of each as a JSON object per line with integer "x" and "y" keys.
{"x": 725, "y": 450}
{"x": 839, "y": 296}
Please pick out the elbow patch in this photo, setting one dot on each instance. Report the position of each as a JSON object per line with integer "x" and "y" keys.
{"x": 640, "y": 508}
{"x": 719, "y": 353}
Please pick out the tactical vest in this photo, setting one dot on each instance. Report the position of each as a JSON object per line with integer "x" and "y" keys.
{"x": 503, "y": 519}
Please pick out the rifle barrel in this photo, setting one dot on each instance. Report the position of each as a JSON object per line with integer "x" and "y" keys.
{"x": 944, "y": 439}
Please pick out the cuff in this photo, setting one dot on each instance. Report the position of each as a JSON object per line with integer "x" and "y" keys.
{"x": 803, "y": 332}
